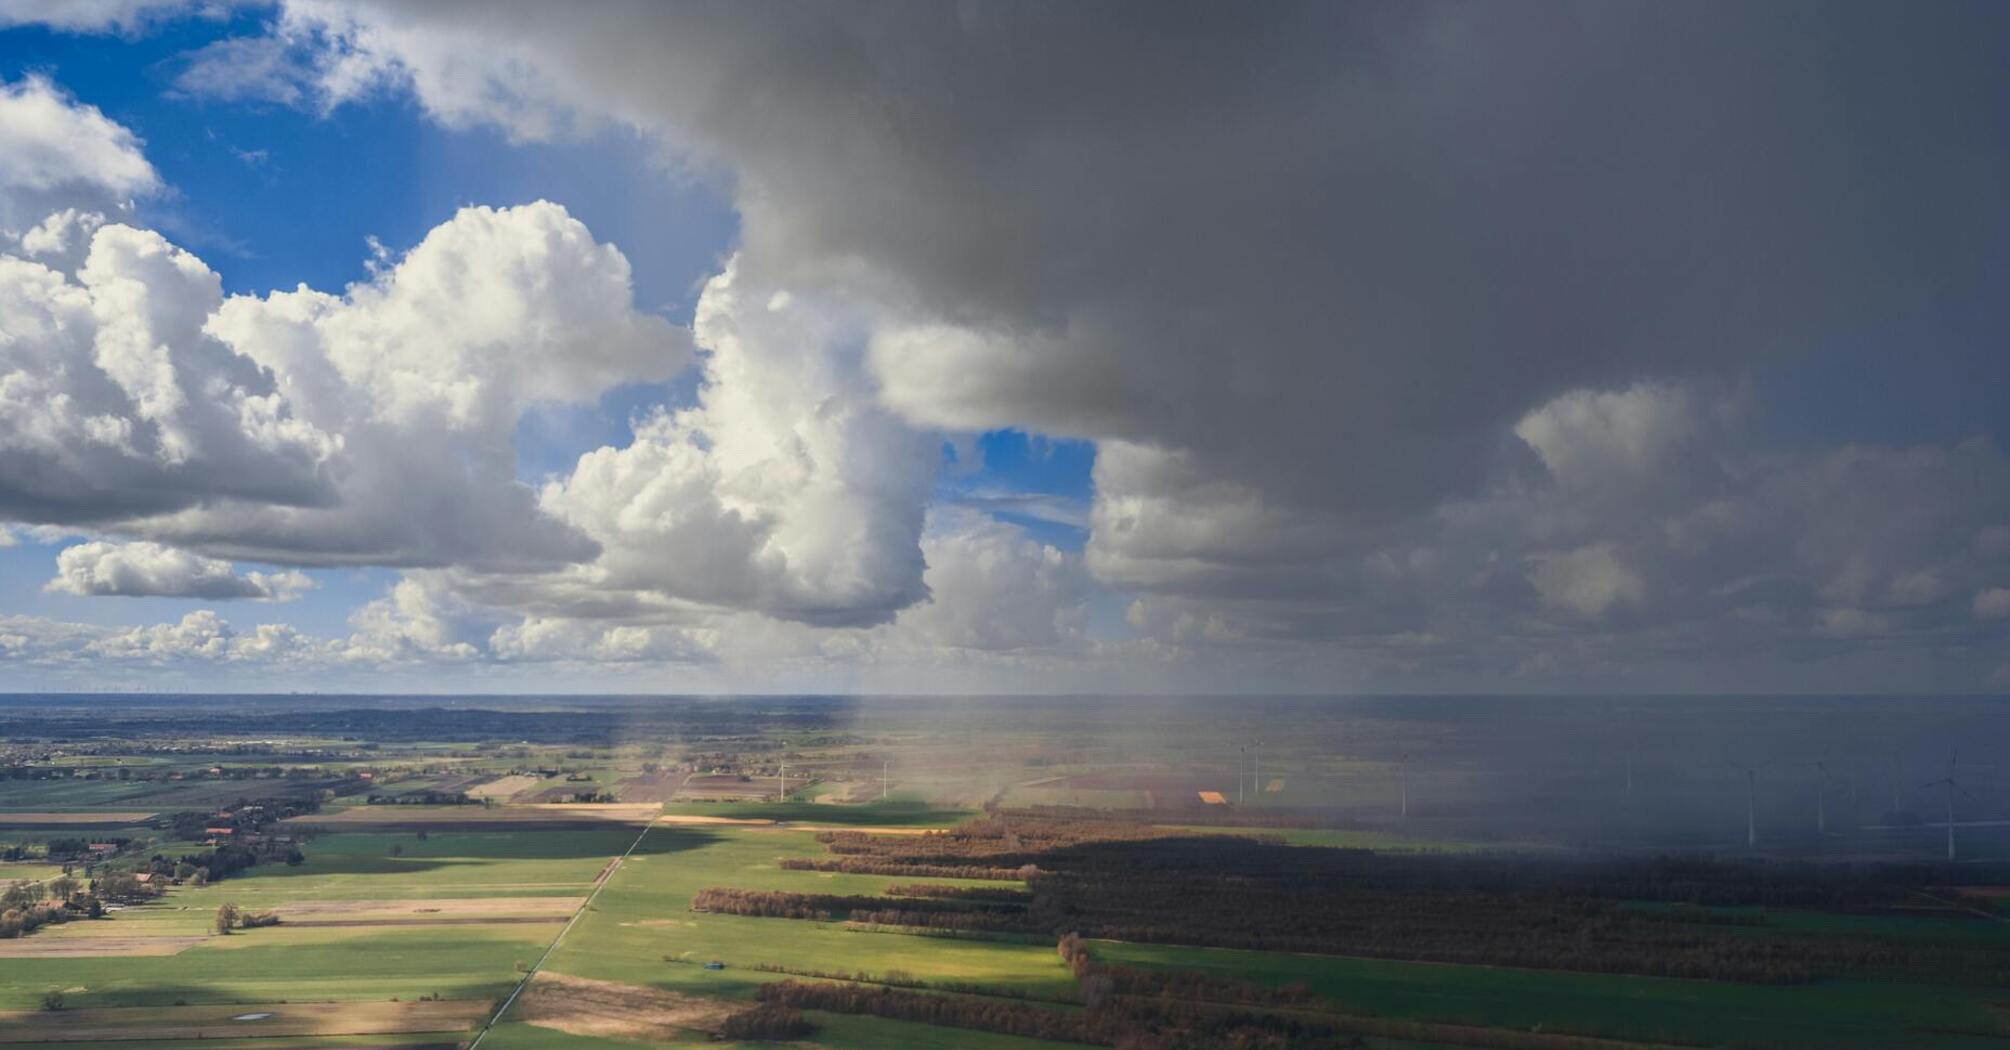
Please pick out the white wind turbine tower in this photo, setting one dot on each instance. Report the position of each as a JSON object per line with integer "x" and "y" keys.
{"x": 1403, "y": 782}
{"x": 1751, "y": 806}
{"x": 1821, "y": 768}
{"x": 1950, "y": 785}
{"x": 1751, "y": 801}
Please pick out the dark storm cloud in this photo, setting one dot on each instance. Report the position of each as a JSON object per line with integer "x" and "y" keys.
{"x": 1332, "y": 250}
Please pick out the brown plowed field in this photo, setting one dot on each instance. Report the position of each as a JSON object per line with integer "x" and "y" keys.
{"x": 581, "y": 1006}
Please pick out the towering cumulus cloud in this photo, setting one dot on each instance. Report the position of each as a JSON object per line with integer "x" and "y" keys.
{"x": 368, "y": 427}
{"x": 425, "y": 370}
{"x": 785, "y": 490}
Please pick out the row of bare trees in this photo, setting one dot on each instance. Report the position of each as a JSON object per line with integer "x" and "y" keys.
{"x": 1125, "y": 1023}
{"x": 901, "y": 869}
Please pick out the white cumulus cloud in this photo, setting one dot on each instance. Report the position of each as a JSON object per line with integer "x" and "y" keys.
{"x": 149, "y": 569}
{"x": 57, "y": 152}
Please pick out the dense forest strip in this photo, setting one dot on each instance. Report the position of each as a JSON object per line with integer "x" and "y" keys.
{"x": 824, "y": 907}
{"x": 903, "y": 979}
{"x": 1198, "y": 815}
{"x": 947, "y": 934}
{"x": 871, "y": 866}
{"x": 1157, "y": 1025}
{"x": 964, "y": 893}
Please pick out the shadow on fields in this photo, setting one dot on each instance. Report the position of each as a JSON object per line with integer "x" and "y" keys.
{"x": 368, "y": 853}
{"x": 659, "y": 840}
{"x": 670, "y": 839}
{"x": 370, "y": 866}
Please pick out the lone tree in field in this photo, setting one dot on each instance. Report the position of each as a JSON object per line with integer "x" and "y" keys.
{"x": 227, "y": 916}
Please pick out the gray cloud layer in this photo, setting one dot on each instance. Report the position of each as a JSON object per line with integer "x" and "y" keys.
{"x": 1254, "y": 233}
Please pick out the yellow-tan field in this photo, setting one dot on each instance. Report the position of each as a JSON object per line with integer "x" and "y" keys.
{"x": 419, "y": 912}
{"x": 540, "y": 813}
{"x": 96, "y": 816}
{"x": 687, "y": 819}
{"x": 44, "y": 946}
{"x": 586, "y": 1007}
{"x": 149, "y": 1025}
{"x": 504, "y": 787}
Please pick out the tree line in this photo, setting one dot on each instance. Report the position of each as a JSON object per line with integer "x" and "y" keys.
{"x": 826, "y": 907}
{"x": 1127, "y": 1024}
{"x": 994, "y": 894}
{"x": 873, "y": 866}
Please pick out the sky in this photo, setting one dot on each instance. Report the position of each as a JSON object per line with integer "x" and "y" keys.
{"x": 709, "y": 347}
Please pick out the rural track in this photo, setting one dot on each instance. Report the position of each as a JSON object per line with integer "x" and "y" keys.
{"x": 1980, "y": 913}
{"x": 606, "y": 876}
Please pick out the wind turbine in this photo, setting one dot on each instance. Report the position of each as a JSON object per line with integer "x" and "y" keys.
{"x": 1897, "y": 780}
{"x": 1241, "y": 772}
{"x": 1751, "y": 806}
{"x": 1821, "y": 768}
{"x": 1951, "y": 786}
{"x": 1751, "y": 801}
{"x": 1403, "y": 782}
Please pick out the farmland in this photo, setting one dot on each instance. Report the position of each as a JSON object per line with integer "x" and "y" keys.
{"x": 629, "y": 876}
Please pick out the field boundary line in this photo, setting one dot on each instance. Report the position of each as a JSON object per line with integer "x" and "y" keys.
{"x": 607, "y": 876}
{"x": 1960, "y": 906}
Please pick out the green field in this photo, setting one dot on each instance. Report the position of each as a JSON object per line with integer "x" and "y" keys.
{"x": 1707, "y": 1013}
{"x": 359, "y": 865}
{"x": 270, "y": 965}
{"x": 891, "y": 814}
{"x": 833, "y": 1030}
{"x": 276, "y": 1042}
{"x": 74, "y": 794}
{"x": 643, "y": 915}
{"x": 27, "y": 871}
{"x": 461, "y": 961}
